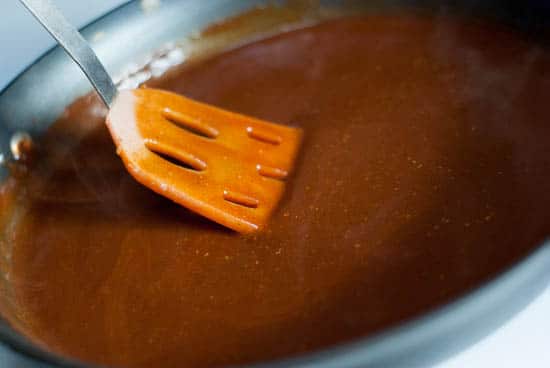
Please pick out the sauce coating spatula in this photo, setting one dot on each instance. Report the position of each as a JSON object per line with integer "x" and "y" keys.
{"x": 224, "y": 166}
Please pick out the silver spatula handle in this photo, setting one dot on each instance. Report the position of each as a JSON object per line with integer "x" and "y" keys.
{"x": 74, "y": 44}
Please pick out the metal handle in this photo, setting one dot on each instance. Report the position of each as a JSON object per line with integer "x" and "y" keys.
{"x": 75, "y": 45}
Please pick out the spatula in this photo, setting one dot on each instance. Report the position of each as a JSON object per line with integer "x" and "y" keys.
{"x": 224, "y": 166}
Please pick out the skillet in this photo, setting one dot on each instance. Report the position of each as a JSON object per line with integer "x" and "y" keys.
{"x": 25, "y": 106}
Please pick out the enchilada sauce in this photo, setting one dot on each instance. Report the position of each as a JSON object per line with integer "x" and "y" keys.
{"x": 424, "y": 171}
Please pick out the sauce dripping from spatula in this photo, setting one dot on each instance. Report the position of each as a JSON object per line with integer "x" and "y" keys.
{"x": 224, "y": 166}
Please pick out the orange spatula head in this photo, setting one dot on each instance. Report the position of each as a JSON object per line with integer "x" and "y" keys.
{"x": 225, "y": 166}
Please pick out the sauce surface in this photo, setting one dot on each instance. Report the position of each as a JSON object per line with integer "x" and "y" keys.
{"x": 424, "y": 171}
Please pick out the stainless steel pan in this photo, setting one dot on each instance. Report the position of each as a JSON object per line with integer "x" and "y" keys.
{"x": 35, "y": 98}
